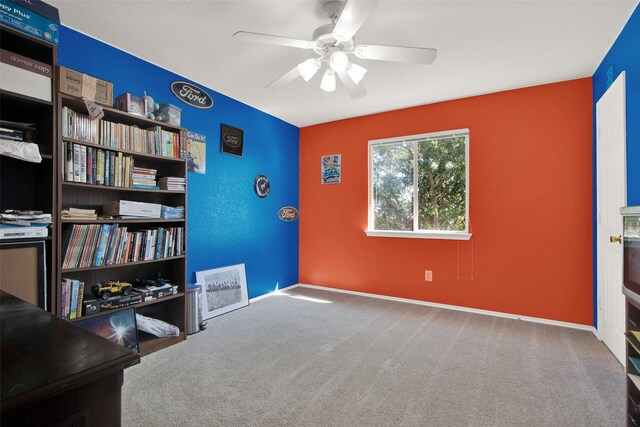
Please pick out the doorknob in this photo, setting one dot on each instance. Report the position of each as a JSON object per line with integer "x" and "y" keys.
{"x": 614, "y": 239}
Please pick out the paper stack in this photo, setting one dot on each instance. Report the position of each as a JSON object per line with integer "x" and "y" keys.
{"x": 81, "y": 214}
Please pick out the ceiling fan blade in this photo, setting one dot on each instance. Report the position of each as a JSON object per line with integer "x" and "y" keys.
{"x": 352, "y": 17}
{"x": 285, "y": 79}
{"x": 270, "y": 39}
{"x": 418, "y": 55}
{"x": 355, "y": 90}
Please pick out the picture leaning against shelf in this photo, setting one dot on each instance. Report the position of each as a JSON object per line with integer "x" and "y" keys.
{"x": 155, "y": 140}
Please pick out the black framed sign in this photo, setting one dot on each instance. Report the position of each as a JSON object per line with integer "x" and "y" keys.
{"x": 231, "y": 140}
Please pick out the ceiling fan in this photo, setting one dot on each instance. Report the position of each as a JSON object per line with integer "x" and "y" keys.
{"x": 334, "y": 43}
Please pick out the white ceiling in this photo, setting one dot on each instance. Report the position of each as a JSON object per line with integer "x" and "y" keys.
{"x": 483, "y": 47}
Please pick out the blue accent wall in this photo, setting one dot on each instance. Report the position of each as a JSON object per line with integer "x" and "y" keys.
{"x": 227, "y": 223}
{"x": 624, "y": 55}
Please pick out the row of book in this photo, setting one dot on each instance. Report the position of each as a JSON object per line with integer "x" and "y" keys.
{"x": 71, "y": 297}
{"x": 92, "y": 165}
{"x": 95, "y": 245}
{"x": 124, "y": 137}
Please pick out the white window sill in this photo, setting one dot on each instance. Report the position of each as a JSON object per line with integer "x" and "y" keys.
{"x": 443, "y": 235}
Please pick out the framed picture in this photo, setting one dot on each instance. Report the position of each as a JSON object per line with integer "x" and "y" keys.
{"x": 223, "y": 290}
{"x": 119, "y": 327}
{"x": 331, "y": 169}
{"x": 231, "y": 140}
{"x": 197, "y": 153}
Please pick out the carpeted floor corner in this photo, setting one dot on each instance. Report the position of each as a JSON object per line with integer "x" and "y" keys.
{"x": 309, "y": 357}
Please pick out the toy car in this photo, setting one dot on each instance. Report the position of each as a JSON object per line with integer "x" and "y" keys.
{"x": 105, "y": 290}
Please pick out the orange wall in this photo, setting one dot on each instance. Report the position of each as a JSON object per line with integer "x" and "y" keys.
{"x": 530, "y": 207}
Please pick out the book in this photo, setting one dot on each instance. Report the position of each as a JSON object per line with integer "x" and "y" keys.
{"x": 73, "y": 308}
{"x": 67, "y": 300}
{"x": 80, "y": 300}
{"x": 69, "y": 163}
{"x": 102, "y": 244}
{"x": 76, "y": 163}
{"x": 63, "y": 297}
{"x": 83, "y": 164}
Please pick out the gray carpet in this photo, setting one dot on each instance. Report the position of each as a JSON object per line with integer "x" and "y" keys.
{"x": 358, "y": 361}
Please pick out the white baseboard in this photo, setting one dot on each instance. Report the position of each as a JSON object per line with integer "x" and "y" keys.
{"x": 457, "y": 308}
{"x": 267, "y": 295}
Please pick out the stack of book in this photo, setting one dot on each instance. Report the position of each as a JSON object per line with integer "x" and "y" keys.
{"x": 144, "y": 178}
{"x": 16, "y": 131}
{"x": 173, "y": 183}
{"x": 79, "y": 214}
{"x": 72, "y": 294}
{"x": 15, "y": 224}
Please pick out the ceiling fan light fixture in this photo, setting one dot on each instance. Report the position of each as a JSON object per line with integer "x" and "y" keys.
{"x": 338, "y": 61}
{"x": 308, "y": 68}
{"x": 328, "y": 83}
{"x": 356, "y": 72}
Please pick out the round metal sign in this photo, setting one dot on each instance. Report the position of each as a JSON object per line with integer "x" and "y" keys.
{"x": 261, "y": 186}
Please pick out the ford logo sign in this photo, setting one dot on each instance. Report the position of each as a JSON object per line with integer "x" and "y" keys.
{"x": 231, "y": 140}
{"x": 288, "y": 213}
{"x": 191, "y": 94}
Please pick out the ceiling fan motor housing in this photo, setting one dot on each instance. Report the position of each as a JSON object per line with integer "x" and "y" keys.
{"x": 324, "y": 40}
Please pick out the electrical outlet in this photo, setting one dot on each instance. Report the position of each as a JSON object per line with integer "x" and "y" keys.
{"x": 428, "y": 276}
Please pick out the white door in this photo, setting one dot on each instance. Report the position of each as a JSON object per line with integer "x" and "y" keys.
{"x": 611, "y": 188}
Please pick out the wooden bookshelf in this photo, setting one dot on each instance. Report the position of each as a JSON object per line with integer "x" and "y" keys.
{"x": 171, "y": 309}
{"x": 26, "y": 185}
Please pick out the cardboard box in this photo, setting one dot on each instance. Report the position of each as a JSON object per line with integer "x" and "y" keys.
{"x": 32, "y": 17}
{"x": 128, "y": 208}
{"x": 79, "y": 84}
{"x": 26, "y": 76}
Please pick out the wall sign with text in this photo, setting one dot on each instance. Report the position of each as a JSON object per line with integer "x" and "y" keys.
{"x": 191, "y": 94}
{"x": 231, "y": 140}
{"x": 288, "y": 213}
{"x": 331, "y": 169}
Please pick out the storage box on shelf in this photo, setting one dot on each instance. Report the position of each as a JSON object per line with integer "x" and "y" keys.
{"x": 108, "y": 164}
{"x": 27, "y": 117}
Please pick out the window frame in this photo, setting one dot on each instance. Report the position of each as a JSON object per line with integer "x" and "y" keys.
{"x": 416, "y": 233}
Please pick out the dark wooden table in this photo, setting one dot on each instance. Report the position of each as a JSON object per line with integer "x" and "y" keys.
{"x": 52, "y": 372}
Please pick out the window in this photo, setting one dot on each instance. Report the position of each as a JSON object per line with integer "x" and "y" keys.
{"x": 418, "y": 186}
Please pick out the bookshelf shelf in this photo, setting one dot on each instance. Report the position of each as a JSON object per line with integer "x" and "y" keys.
{"x": 138, "y": 305}
{"x": 171, "y": 309}
{"x": 150, "y": 343}
{"x": 8, "y": 96}
{"x": 135, "y": 154}
{"x": 122, "y": 221}
{"x": 126, "y": 264}
{"x": 29, "y": 239}
{"x": 113, "y": 115}
{"x": 113, "y": 188}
